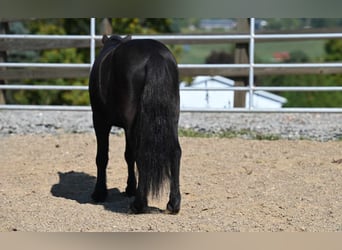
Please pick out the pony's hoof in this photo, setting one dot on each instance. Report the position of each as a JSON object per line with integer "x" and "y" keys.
{"x": 145, "y": 210}
{"x": 170, "y": 209}
{"x": 136, "y": 210}
{"x": 99, "y": 196}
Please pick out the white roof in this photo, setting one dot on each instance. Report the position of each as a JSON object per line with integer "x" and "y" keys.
{"x": 222, "y": 82}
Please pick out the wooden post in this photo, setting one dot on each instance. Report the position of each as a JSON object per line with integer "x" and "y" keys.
{"x": 106, "y": 26}
{"x": 241, "y": 55}
{"x": 3, "y": 58}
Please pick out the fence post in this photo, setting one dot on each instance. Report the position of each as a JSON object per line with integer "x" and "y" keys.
{"x": 241, "y": 55}
{"x": 3, "y": 58}
{"x": 92, "y": 39}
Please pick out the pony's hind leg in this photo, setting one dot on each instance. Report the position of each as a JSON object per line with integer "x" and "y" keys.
{"x": 130, "y": 159}
{"x": 173, "y": 206}
{"x": 102, "y": 130}
{"x": 140, "y": 203}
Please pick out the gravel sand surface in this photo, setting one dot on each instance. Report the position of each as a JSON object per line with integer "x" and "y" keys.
{"x": 316, "y": 126}
{"x": 47, "y": 173}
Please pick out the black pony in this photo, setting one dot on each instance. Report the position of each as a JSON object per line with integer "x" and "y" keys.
{"x": 134, "y": 85}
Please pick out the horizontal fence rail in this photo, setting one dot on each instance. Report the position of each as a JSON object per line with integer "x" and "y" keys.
{"x": 233, "y": 110}
{"x": 16, "y": 42}
{"x": 17, "y": 71}
{"x": 84, "y": 88}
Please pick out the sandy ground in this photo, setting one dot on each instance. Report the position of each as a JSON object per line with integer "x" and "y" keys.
{"x": 226, "y": 184}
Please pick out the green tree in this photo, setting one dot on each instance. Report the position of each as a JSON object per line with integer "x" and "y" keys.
{"x": 69, "y": 55}
{"x": 333, "y": 49}
{"x": 146, "y": 26}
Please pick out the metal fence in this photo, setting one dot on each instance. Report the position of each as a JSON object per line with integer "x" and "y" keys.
{"x": 249, "y": 69}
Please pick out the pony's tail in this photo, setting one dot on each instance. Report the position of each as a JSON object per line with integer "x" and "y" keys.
{"x": 157, "y": 126}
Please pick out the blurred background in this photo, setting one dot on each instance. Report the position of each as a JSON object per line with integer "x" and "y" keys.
{"x": 294, "y": 51}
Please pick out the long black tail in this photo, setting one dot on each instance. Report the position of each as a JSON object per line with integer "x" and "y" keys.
{"x": 158, "y": 125}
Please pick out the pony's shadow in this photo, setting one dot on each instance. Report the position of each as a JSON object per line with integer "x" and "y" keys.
{"x": 78, "y": 186}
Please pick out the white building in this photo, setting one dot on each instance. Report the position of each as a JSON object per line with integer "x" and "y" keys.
{"x": 210, "y": 24}
{"x": 213, "y": 99}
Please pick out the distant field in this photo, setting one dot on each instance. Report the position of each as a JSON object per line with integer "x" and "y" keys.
{"x": 264, "y": 51}
{"x": 313, "y": 49}
{"x": 198, "y": 52}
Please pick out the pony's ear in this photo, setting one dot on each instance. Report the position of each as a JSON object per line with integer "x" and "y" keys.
{"x": 104, "y": 38}
{"x": 127, "y": 38}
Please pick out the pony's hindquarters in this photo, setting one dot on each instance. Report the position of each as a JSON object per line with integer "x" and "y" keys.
{"x": 158, "y": 149}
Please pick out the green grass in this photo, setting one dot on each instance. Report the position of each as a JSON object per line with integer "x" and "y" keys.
{"x": 263, "y": 51}
{"x": 198, "y": 52}
{"x": 227, "y": 134}
{"x": 193, "y": 133}
{"x": 267, "y": 137}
